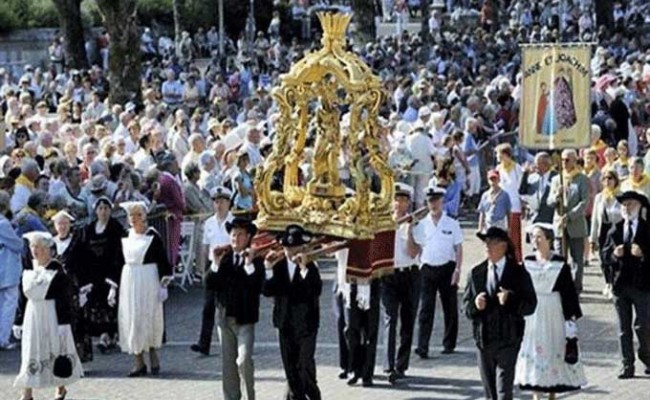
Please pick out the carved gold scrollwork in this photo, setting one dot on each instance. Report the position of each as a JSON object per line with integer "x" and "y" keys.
{"x": 309, "y": 100}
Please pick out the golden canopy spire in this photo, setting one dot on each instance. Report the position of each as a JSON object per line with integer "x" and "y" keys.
{"x": 310, "y": 99}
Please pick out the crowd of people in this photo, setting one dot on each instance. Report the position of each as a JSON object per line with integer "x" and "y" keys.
{"x": 71, "y": 163}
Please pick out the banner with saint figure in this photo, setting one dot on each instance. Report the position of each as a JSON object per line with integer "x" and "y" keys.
{"x": 556, "y": 96}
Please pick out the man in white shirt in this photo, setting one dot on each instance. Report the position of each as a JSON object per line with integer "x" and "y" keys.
{"x": 421, "y": 147}
{"x": 172, "y": 91}
{"x": 400, "y": 292}
{"x": 215, "y": 241}
{"x": 440, "y": 239}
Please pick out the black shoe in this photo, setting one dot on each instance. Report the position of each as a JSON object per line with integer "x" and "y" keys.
{"x": 647, "y": 371}
{"x": 102, "y": 347}
{"x": 353, "y": 380}
{"x": 448, "y": 351}
{"x": 392, "y": 377}
{"x": 626, "y": 373}
{"x": 138, "y": 372}
{"x": 343, "y": 375}
{"x": 422, "y": 354}
{"x": 197, "y": 348}
{"x": 367, "y": 383}
{"x": 155, "y": 370}
{"x": 400, "y": 374}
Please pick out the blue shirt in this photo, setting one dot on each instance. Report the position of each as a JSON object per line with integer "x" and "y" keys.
{"x": 495, "y": 210}
{"x": 452, "y": 199}
{"x": 11, "y": 246}
{"x": 469, "y": 145}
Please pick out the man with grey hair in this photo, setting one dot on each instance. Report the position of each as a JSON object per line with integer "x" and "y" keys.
{"x": 569, "y": 196}
{"x": 252, "y": 146}
{"x": 535, "y": 188}
{"x": 29, "y": 172}
{"x": 210, "y": 176}
{"x": 197, "y": 146}
{"x": 11, "y": 246}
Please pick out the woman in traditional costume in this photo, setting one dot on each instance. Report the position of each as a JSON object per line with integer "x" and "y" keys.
{"x": 143, "y": 289}
{"x": 43, "y": 322}
{"x": 101, "y": 266}
{"x": 548, "y": 361}
{"x": 68, "y": 253}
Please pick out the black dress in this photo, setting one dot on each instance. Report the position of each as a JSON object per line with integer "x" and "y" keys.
{"x": 101, "y": 264}
{"x": 68, "y": 253}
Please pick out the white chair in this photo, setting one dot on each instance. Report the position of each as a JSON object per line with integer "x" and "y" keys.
{"x": 186, "y": 253}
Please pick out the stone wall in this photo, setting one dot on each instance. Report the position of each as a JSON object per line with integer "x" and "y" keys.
{"x": 23, "y": 47}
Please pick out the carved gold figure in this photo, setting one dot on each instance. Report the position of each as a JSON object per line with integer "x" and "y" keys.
{"x": 310, "y": 99}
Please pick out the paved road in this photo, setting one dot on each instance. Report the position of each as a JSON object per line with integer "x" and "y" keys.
{"x": 188, "y": 376}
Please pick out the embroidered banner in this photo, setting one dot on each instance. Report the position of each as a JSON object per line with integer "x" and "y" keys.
{"x": 556, "y": 96}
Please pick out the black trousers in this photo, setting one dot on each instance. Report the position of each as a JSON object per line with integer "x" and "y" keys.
{"x": 207, "y": 322}
{"x": 626, "y": 301}
{"x": 339, "y": 313}
{"x": 361, "y": 329}
{"x": 297, "y": 353}
{"x": 400, "y": 295}
{"x": 438, "y": 280}
{"x": 497, "y": 367}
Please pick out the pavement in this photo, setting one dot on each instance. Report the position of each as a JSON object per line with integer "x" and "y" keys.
{"x": 186, "y": 375}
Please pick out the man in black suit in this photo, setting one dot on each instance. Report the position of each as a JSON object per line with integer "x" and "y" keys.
{"x": 626, "y": 250}
{"x": 498, "y": 295}
{"x": 295, "y": 285}
{"x": 238, "y": 282}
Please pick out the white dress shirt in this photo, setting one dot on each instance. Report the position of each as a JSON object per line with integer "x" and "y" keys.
{"x": 438, "y": 241}
{"x": 215, "y": 234}
{"x": 402, "y": 258}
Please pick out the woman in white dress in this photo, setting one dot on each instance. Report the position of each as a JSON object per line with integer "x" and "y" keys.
{"x": 43, "y": 321}
{"x": 542, "y": 362}
{"x": 143, "y": 289}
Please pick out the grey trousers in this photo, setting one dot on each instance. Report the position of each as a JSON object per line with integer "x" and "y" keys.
{"x": 627, "y": 300}
{"x": 576, "y": 249}
{"x": 497, "y": 367}
{"x": 237, "y": 359}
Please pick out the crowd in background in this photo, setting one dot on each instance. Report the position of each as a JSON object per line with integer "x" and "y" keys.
{"x": 450, "y": 103}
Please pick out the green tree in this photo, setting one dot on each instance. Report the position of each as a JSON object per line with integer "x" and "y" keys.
{"x": 73, "y": 32}
{"x": 120, "y": 21}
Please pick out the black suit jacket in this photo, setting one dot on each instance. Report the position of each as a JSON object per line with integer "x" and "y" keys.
{"x": 497, "y": 325}
{"x": 629, "y": 271}
{"x": 296, "y": 298}
{"x": 238, "y": 292}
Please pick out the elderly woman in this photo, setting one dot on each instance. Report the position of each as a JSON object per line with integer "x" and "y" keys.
{"x": 606, "y": 214}
{"x": 100, "y": 266}
{"x": 197, "y": 201}
{"x": 543, "y": 364}
{"x": 43, "y": 322}
{"x": 143, "y": 289}
{"x": 68, "y": 253}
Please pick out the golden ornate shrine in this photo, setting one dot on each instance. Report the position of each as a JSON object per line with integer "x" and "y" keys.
{"x": 310, "y": 95}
